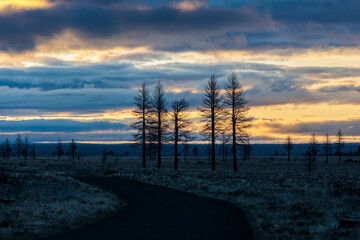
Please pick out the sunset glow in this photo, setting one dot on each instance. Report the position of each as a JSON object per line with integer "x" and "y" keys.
{"x": 83, "y": 69}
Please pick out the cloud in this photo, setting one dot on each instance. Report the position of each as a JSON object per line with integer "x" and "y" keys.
{"x": 107, "y": 86}
{"x": 20, "y": 30}
{"x": 58, "y": 126}
{"x": 341, "y": 88}
{"x": 348, "y": 127}
{"x": 189, "y": 5}
{"x": 190, "y": 24}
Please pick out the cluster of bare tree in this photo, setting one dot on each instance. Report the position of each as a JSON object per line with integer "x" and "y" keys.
{"x": 5, "y": 149}
{"x": 22, "y": 148}
{"x": 223, "y": 115}
{"x": 313, "y": 147}
{"x": 72, "y": 150}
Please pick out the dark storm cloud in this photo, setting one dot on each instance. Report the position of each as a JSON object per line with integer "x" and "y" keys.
{"x": 255, "y": 24}
{"x": 19, "y": 30}
{"x": 309, "y": 11}
{"x": 58, "y": 126}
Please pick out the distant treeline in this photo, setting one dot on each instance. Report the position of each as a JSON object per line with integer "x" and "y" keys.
{"x": 127, "y": 150}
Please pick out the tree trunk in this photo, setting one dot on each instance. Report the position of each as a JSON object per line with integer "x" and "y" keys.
{"x": 327, "y": 153}
{"x": 234, "y": 137}
{"x": 212, "y": 138}
{"x": 185, "y": 152}
{"x": 223, "y": 152}
{"x": 176, "y": 142}
{"x": 159, "y": 142}
{"x": 143, "y": 140}
{"x": 288, "y": 154}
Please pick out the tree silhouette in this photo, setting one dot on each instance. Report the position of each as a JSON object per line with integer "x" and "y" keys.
{"x": 158, "y": 122}
{"x": 72, "y": 149}
{"x": 211, "y": 111}
{"x": 313, "y": 146}
{"x": 186, "y": 149}
{"x": 33, "y": 152}
{"x": 142, "y": 102}
{"x": 18, "y": 145}
{"x": 289, "y": 146}
{"x": 246, "y": 146}
{"x": 104, "y": 156}
{"x": 196, "y": 153}
{"x": 59, "y": 149}
{"x": 327, "y": 147}
{"x": 181, "y": 122}
{"x": 312, "y": 150}
{"x": 7, "y": 148}
{"x": 224, "y": 139}
{"x": 151, "y": 146}
{"x": 209, "y": 151}
{"x": 2, "y": 151}
{"x": 236, "y": 111}
{"x": 26, "y": 147}
{"x": 339, "y": 143}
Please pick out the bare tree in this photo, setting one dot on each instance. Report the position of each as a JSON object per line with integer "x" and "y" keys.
{"x": 18, "y": 145}
{"x": 246, "y": 146}
{"x": 289, "y": 146}
{"x": 236, "y": 111}
{"x": 158, "y": 121}
{"x": 151, "y": 147}
{"x": 209, "y": 151}
{"x": 211, "y": 111}
{"x": 181, "y": 122}
{"x": 104, "y": 156}
{"x": 72, "y": 149}
{"x": 7, "y": 148}
{"x": 186, "y": 149}
{"x": 339, "y": 143}
{"x": 33, "y": 152}
{"x": 59, "y": 149}
{"x": 327, "y": 147}
{"x": 142, "y": 102}
{"x": 2, "y": 151}
{"x": 312, "y": 150}
{"x": 224, "y": 140}
{"x": 26, "y": 147}
{"x": 196, "y": 153}
{"x": 313, "y": 146}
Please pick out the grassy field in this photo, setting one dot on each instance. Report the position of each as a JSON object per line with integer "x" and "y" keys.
{"x": 38, "y": 203}
{"x": 281, "y": 199}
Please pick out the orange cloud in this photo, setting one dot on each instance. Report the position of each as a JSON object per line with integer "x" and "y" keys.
{"x": 9, "y": 6}
{"x": 189, "y": 5}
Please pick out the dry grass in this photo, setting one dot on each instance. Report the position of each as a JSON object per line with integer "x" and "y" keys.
{"x": 42, "y": 204}
{"x": 284, "y": 199}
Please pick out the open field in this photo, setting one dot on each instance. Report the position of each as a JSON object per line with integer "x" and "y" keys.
{"x": 36, "y": 203}
{"x": 285, "y": 201}
{"x": 282, "y": 199}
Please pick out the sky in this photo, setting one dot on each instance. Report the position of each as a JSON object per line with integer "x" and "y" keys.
{"x": 70, "y": 69}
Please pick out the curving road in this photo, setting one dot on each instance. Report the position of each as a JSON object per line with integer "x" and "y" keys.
{"x": 161, "y": 213}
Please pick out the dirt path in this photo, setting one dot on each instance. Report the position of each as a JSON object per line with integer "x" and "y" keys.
{"x": 160, "y": 213}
